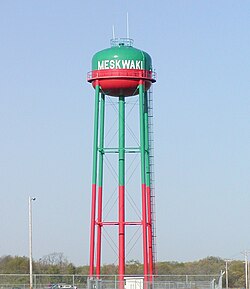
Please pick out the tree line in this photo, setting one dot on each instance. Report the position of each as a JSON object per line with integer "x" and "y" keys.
{"x": 57, "y": 263}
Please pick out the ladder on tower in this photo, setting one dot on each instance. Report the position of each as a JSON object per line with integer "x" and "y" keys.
{"x": 152, "y": 179}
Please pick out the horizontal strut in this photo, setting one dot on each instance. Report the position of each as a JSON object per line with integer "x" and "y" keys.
{"x": 117, "y": 223}
{"x": 116, "y": 150}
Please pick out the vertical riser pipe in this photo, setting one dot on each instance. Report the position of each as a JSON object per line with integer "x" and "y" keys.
{"x": 94, "y": 179}
{"x": 143, "y": 181}
{"x": 121, "y": 209}
{"x": 148, "y": 193}
{"x": 100, "y": 186}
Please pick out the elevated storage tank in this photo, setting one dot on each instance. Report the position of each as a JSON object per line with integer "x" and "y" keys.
{"x": 119, "y": 69}
{"x": 122, "y": 71}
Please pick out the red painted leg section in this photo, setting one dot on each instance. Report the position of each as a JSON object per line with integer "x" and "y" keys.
{"x": 99, "y": 232}
{"x": 92, "y": 231}
{"x": 150, "y": 235}
{"x": 144, "y": 232}
{"x": 121, "y": 237}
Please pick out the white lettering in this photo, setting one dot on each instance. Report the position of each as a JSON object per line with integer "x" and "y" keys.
{"x": 138, "y": 66}
{"x": 132, "y": 66}
{"x": 106, "y": 64}
{"x": 100, "y": 65}
{"x": 126, "y": 63}
{"x": 117, "y": 64}
{"x": 112, "y": 64}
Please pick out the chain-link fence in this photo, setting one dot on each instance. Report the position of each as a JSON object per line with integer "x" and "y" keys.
{"x": 45, "y": 281}
{"x": 41, "y": 281}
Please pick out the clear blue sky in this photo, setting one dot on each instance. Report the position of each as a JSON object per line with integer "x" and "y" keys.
{"x": 201, "y": 52}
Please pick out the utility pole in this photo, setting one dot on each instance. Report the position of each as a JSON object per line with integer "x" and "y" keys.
{"x": 30, "y": 240}
{"x": 248, "y": 273}
{"x": 246, "y": 268}
{"x": 227, "y": 260}
{"x": 245, "y": 253}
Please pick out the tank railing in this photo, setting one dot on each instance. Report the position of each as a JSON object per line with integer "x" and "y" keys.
{"x": 117, "y": 73}
{"x": 121, "y": 42}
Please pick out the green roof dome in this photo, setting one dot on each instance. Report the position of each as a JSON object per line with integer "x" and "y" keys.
{"x": 121, "y": 56}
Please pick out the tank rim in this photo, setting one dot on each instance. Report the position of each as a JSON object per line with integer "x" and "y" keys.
{"x": 121, "y": 74}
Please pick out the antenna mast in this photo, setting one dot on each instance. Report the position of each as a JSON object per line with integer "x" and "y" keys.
{"x": 113, "y": 31}
{"x": 127, "y": 27}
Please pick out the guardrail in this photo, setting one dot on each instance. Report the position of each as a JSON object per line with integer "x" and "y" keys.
{"x": 121, "y": 73}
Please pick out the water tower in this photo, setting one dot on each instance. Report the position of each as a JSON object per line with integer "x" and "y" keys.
{"x": 122, "y": 72}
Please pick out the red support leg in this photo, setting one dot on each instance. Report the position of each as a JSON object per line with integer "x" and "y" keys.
{"x": 99, "y": 232}
{"x": 92, "y": 231}
{"x": 121, "y": 237}
{"x": 150, "y": 235}
{"x": 144, "y": 232}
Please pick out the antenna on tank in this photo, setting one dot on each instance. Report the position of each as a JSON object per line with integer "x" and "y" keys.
{"x": 127, "y": 27}
{"x": 113, "y": 31}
